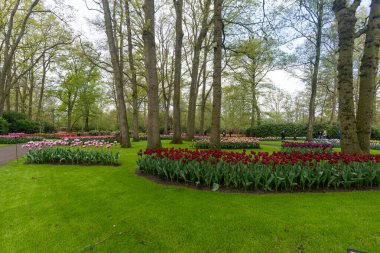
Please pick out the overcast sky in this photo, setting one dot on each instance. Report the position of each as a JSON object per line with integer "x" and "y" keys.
{"x": 280, "y": 78}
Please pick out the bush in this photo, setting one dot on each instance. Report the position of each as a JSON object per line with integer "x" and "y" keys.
{"x": 19, "y": 123}
{"x": 4, "y": 126}
{"x": 290, "y": 129}
{"x": 49, "y": 128}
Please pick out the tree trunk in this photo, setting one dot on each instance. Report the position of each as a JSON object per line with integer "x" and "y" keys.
{"x": 31, "y": 90}
{"x": 204, "y": 95}
{"x": 368, "y": 72}
{"x": 17, "y": 98}
{"x": 346, "y": 32}
{"x": 118, "y": 77}
{"x": 333, "y": 101}
{"x": 177, "y": 137}
{"x": 150, "y": 59}
{"x": 194, "y": 74}
{"x": 314, "y": 79}
{"x": 135, "y": 107}
{"x": 42, "y": 89}
{"x": 217, "y": 77}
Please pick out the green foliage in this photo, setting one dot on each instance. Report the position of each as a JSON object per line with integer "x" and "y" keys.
{"x": 265, "y": 177}
{"x": 49, "y": 128}
{"x": 18, "y": 140}
{"x": 291, "y": 130}
{"x": 61, "y": 155}
{"x": 4, "y": 126}
{"x": 19, "y": 123}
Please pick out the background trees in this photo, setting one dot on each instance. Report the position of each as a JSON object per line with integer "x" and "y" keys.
{"x": 175, "y": 75}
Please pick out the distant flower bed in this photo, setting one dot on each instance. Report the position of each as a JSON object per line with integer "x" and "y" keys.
{"x": 16, "y": 138}
{"x": 71, "y": 156}
{"x": 279, "y": 138}
{"x": 144, "y": 137}
{"x": 305, "y": 147}
{"x": 230, "y": 143}
{"x": 374, "y": 144}
{"x": 279, "y": 171}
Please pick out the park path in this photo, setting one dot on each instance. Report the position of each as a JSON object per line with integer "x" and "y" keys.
{"x": 8, "y": 153}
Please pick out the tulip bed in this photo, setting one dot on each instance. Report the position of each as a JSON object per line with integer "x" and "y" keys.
{"x": 70, "y": 151}
{"x": 305, "y": 147}
{"x": 60, "y": 155}
{"x": 230, "y": 143}
{"x": 374, "y": 144}
{"x": 279, "y": 171}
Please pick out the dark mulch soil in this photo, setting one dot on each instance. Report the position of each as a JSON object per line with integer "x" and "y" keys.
{"x": 12, "y": 152}
{"x": 163, "y": 181}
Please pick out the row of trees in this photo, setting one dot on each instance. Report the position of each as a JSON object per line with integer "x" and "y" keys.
{"x": 162, "y": 63}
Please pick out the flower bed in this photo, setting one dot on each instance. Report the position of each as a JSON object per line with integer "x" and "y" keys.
{"x": 279, "y": 171}
{"x": 16, "y": 138}
{"x": 279, "y": 138}
{"x": 231, "y": 143}
{"x": 70, "y": 151}
{"x": 304, "y": 147}
{"x": 374, "y": 144}
{"x": 144, "y": 137}
{"x": 71, "y": 156}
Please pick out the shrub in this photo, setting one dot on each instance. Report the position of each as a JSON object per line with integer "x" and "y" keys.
{"x": 4, "y": 126}
{"x": 19, "y": 123}
{"x": 49, "y": 128}
{"x": 260, "y": 171}
{"x": 231, "y": 143}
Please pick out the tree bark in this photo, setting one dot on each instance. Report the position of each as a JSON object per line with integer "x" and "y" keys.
{"x": 118, "y": 77}
{"x": 204, "y": 94}
{"x": 194, "y": 73}
{"x": 217, "y": 77}
{"x": 135, "y": 107}
{"x": 177, "y": 137}
{"x": 346, "y": 32}
{"x": 314, "y": 79}
{"x": 150, "y": 59}
{"x": 368, "y": 72}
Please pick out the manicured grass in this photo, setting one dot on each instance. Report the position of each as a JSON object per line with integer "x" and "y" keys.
{"x": 47, "y": 208}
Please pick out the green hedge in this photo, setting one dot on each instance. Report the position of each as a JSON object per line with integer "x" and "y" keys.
{"x": 300, "y": 130}
{"x": 4, "y": 126}
{"x": 19, "y": 123}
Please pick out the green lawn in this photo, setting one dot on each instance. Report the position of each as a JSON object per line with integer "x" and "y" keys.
{"x": 45, "y": 208}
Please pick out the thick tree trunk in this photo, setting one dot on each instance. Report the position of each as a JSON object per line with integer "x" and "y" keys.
{"x": 177, "y": 137}
{"x": 346, "y": 31}
{"x": 118, "y": 77}
{"x": 194, "y": 73}
{"x": 217, "y": 77}
{"x": 150, "y": 59}
{"x": 135, "y": 107}
{"x": 314, "y": 79}
{"x": 368, "y": 72}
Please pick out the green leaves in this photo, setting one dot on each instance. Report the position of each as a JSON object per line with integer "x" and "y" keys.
{"x": 62, "y": 155}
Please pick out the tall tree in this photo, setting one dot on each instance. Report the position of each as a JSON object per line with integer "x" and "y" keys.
{"x": 132, "y": 67}
{"x": 195, "y": 71}
{"x": 150, "y": 59}
{"x": 118, "y": 75}
{"x": 217, "y": 77}
{"x": 345, "y": 15}
{"x": 368, "y": 73}
{"x": 177, "y": 138}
